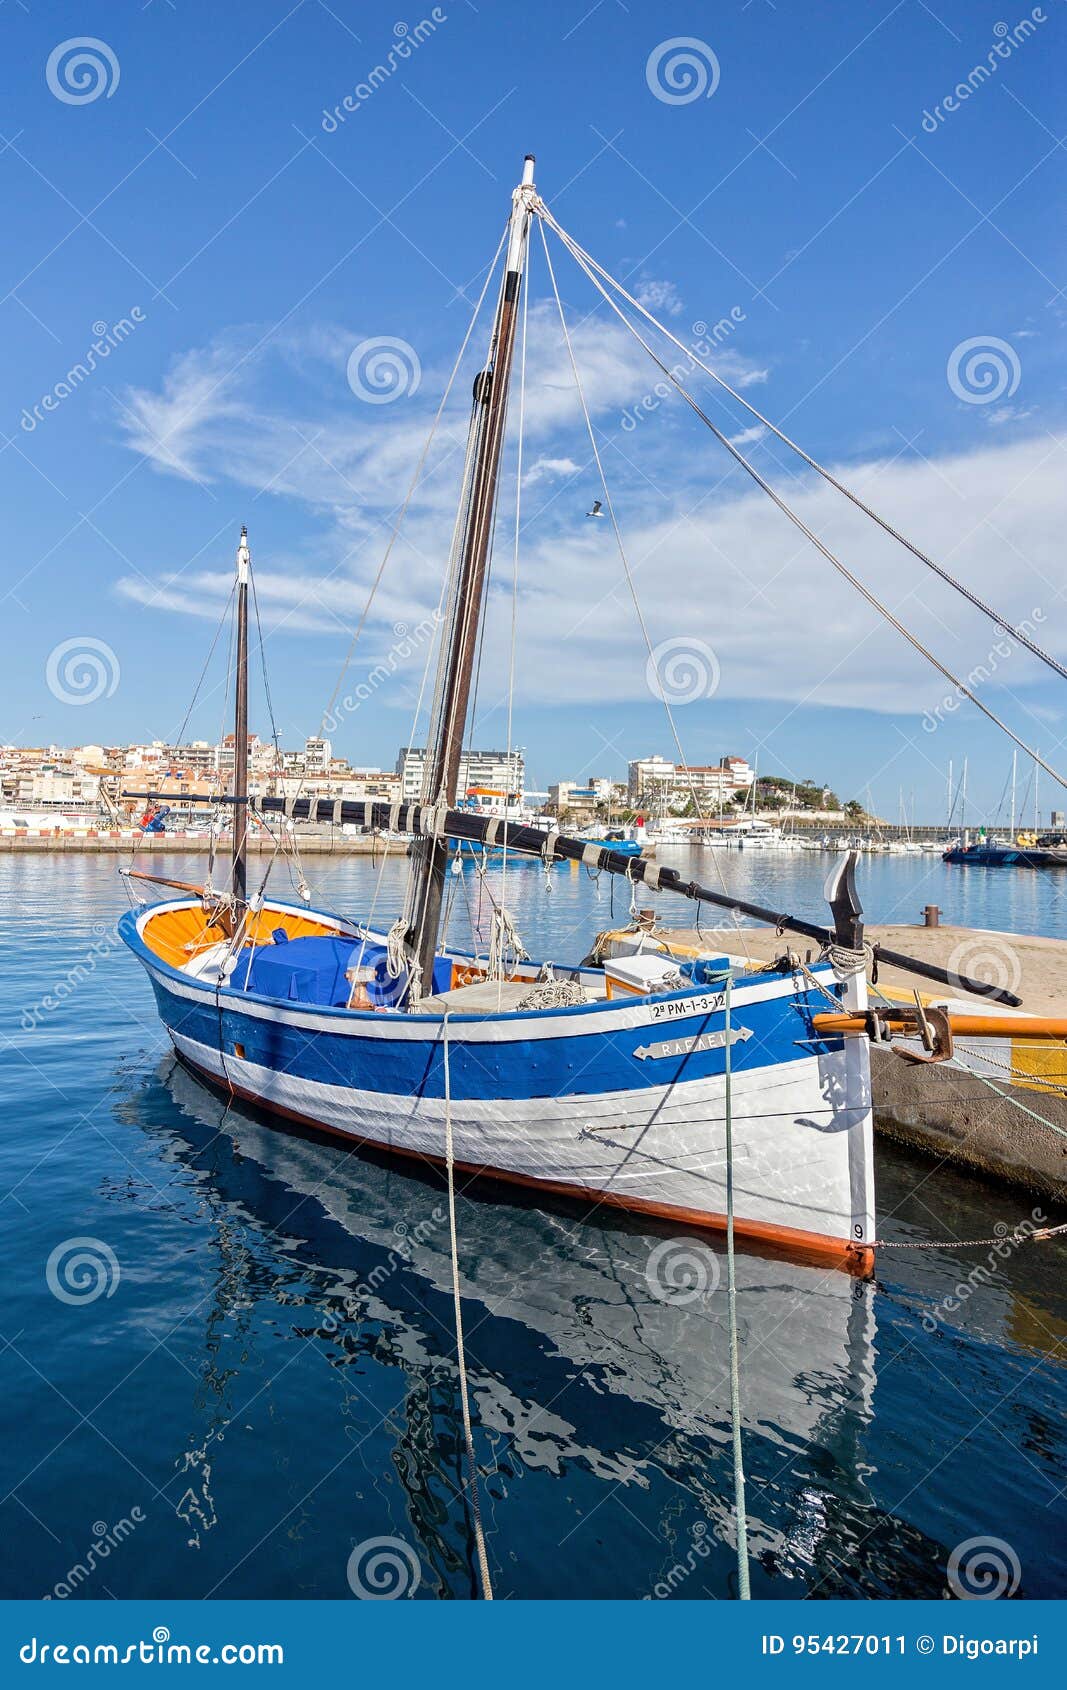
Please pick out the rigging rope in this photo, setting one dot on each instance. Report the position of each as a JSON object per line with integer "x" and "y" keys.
{"x": 504, "y": 941}
{"x": 798, "y": 522}
{"x": 461, "y": 1354}
{"x": 982, "y": 1056}
{"x": 609, "y": 505}
{"x": 820, "y": 469}
{"x": 743, "y": 1590}
{"x": 275, "y": 740}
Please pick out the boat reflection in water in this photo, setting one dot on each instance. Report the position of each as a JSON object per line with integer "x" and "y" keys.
{"x": 597, "y": 1354}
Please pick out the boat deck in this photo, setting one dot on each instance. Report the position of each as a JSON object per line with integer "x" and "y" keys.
{"x": 1034, "y": 968}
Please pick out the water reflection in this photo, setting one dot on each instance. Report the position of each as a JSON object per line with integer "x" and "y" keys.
{"x": 579, "y": 1367}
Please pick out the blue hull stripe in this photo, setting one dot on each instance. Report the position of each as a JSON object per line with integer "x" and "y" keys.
{"x": 510, "y": 1068}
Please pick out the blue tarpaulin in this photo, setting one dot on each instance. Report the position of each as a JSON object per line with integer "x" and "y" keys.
{"x": 313, "y": 970}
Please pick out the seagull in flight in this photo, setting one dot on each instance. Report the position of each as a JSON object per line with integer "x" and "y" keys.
{"x": 596, "y": 510}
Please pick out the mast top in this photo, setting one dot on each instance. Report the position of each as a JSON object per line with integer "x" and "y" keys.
{"x": 522, "y": 201}
{"x": 244, "y": 559}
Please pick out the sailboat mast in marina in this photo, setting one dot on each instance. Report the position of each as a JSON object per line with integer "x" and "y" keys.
{"x": 667, "y": 1080}
{"x": 240, "y": 728}
{"x": 481, "y": 477}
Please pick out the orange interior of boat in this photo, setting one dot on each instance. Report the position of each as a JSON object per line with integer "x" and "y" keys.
{"x": 175, "y": 936}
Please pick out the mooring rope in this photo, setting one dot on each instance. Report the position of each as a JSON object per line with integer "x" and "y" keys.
{"x": 986, "y": 1081}
{"x": 461, "y": 1355}
{"x": 743, "y": 1590}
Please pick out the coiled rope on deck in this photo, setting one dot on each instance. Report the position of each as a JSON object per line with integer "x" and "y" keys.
{"x": 461, "y": 1354}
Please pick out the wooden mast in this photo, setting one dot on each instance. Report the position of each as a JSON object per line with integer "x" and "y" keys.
{"x": 461, "y": 638}
{"x": 240, "y": 727}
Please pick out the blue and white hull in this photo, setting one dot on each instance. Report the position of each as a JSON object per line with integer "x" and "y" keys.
{"x": 615, "y": 1101}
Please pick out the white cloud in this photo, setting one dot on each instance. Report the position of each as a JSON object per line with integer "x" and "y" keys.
{"x": 554, "y": 467}
{"x": 748, "y": 436}
{"x": 659, "y": 297}
{"x": 1002, "y": 414}
{"x": 711, "y": 558}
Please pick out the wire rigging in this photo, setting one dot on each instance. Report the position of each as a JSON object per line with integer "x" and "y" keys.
{"x": 798, "y": 521}
{"x": 958, "y": 586}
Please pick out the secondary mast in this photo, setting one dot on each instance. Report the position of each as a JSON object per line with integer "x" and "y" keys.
{"x": 240, "y": 726}
{"x": 460, "y": 643}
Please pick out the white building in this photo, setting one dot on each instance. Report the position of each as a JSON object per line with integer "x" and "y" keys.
{"x": 501, "y": 772}
{"x": 655, "y": 780}
{"x": 584, "y": 794}
{"x": 318, "y": 755}
{"x": 198, "y": 758}
{"x": 50, "y": 787}
{"x": 356, "y": 784}
{"x": 649, "y": 778}
{"x": 743, "y": 773}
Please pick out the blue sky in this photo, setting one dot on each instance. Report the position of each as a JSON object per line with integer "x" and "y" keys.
{"x": 254, "y": 243}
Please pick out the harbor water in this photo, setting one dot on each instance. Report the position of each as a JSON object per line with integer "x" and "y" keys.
{"x": 229, "y": 1356}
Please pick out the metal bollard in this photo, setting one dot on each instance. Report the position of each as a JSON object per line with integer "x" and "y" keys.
{"x": 931, "y": 915}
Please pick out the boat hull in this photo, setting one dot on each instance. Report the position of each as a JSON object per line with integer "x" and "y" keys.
{"x": 621, "y": 1104}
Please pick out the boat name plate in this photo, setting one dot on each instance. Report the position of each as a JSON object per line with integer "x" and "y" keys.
{"x": 689, "y": 1047}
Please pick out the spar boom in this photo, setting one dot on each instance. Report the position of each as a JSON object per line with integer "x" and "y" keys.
{"x": 427, "y": 821}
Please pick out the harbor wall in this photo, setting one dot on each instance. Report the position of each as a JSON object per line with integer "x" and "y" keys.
{"x": 150, "y": 844}
{"x": 952, "y": 1115}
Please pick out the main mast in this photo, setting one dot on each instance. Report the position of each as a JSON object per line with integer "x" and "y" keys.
{"x": 240, "y": 726}
{"x": 460, "y": 643}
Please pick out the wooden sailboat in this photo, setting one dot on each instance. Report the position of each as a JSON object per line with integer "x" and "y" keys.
{"x": 618, "y": 1087}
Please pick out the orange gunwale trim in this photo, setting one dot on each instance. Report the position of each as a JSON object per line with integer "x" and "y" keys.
{"x": 810, "y": 1248}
